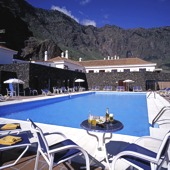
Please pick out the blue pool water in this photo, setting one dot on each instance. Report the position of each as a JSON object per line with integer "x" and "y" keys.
{"x": 130, "y": 109}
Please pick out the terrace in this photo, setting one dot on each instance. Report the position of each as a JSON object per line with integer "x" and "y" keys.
{"x": 155, "y": 103}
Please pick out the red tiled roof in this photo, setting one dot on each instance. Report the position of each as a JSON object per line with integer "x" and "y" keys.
{"x": 122, "y": 61}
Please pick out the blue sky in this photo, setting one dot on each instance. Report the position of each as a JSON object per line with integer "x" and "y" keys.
{"x": 122, "y": 13}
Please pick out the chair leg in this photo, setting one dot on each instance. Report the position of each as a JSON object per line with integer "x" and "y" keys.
{"x": 36, "y": 160}
{"x": 51, "y": 161}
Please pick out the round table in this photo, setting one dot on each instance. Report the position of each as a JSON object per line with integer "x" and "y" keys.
{"x": 104, "y": 129}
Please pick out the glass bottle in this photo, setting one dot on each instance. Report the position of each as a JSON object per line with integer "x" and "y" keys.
{"x": 107, "y": 115}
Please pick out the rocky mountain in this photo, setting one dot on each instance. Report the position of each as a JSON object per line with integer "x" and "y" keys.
{"x": 31, "y": 31}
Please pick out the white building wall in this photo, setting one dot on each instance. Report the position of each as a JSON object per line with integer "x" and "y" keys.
{"x": 49, "y": 64}
{"x": 6, "y": 56}
{"x": 73, "y": 67}
{"x": 61, "y": 65}
{"x": 132, "y": 68}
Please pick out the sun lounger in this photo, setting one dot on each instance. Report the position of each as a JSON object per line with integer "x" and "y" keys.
{"x": 165, "y": 92}
{"x": 3, "y": 98}
{"x": 9, "y": 128}
{"x": 13, "y": 141}
{"x": 55, "y": 90}
{"x": 137, "y": 88}
{"x": 120, "y": 88}
{"x": 46, "y": 92}
{"x": 95, "y": 88}
{"x": 107, "y": 88}
{"x": 33, "y": 92}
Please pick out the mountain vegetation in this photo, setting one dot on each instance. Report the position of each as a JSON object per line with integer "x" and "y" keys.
{"x": 31, "y": 31}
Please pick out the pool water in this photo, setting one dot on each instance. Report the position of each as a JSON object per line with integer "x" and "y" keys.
{"x": 130, "y": 109}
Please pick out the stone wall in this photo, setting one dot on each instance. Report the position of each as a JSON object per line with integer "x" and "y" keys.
{"x": 147, "y": 80}
{"x": 42, "y": 76}
{"x": 20, "y": 71}
{"x": 39, "y": 76}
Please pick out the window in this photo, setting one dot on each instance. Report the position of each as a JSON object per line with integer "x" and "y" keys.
{"x": 101, "y": 71}
{"x": 65, "y": 67}
{"x": 127, "y": 70}
{"x": 91, "y": 71}
{"x": 114, "y": 71}
{"x": 142, "y": 70}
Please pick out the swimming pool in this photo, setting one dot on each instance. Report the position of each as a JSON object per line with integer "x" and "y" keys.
{"x": 70, "y": 111}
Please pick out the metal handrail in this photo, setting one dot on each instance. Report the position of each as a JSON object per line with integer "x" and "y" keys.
{"x": 160, "y": 114}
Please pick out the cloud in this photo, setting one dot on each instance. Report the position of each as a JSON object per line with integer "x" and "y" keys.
{"x": 87, "y": 22}
{"x": 84, "y": 2}
{"x": 65, "y": 11}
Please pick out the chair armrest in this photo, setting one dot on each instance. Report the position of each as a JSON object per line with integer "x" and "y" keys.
{"x": 66, "y": 148}
{"x": 148, "y": 138}
{"x": 149, "y": 142}
{"x": 132, "y": 154}
{"x": 55, "y": 133}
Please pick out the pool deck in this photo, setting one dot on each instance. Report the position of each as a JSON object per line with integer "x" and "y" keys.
{"x": 155, "y": 103}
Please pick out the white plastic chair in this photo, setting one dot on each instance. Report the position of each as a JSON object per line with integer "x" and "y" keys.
{"x": 10, "y": 93}
{"x": 59, "y": 152}
{"x": 143, "y": 158}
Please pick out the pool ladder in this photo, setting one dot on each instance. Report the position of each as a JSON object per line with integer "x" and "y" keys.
{"x": 161, "y": 112}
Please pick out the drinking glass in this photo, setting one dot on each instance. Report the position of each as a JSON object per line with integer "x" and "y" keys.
{"x": 111, "y": 118}
{"x": 90, "y": 118}
{"x": 93, "y": 121}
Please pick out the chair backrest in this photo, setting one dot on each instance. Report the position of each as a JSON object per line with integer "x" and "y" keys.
{"x": 118, "y": 88}
{"x": 122, "y": 88}
{"x": 42, "y": 143}
{"x": 163, "y": 149}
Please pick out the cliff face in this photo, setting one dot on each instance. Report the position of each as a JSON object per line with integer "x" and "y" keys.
{"x": 31, "y": 31}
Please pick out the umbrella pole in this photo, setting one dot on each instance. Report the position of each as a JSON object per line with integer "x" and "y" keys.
{"x": 18, "y": 89}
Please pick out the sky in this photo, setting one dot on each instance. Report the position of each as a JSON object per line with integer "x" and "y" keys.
{"x": 122, "y": 13}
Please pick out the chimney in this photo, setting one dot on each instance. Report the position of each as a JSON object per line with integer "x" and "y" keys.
{"x": 66, "y": 54}
{"x": 45, "y": 56}
{"x": 80, "y": 59}
{"x": 62, "y": 54}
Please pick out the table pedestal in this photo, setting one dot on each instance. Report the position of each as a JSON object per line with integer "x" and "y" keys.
{"x": 101, "y": 150}
{"x": 100, "y": 134}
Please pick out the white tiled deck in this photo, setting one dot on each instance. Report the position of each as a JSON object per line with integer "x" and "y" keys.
{"x": 117, "y": 142}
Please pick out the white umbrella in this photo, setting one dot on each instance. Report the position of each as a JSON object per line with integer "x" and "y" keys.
{"x": 79, "y": 81}
{"x": 128, "y": 81}
{"x": 14, "y": 81}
